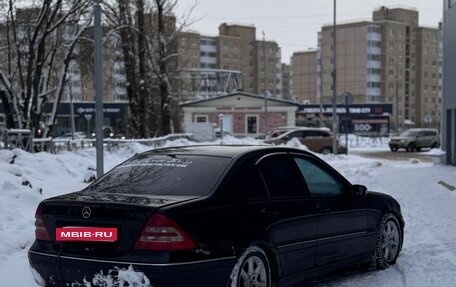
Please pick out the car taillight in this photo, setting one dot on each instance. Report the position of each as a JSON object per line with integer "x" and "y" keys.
{"x": 163, "y": 234}
{"x": 40, "y": 227}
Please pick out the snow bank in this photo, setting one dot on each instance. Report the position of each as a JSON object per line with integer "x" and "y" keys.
{"x": 428, "y": 257}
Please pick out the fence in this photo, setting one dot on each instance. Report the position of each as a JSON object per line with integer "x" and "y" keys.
{"x": 22, "y": 139}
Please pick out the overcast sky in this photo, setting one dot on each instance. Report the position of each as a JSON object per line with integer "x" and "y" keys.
{"x": 294, "y": 24}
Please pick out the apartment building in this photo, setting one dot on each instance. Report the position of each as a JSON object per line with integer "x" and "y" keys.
{"x": 247, "y": 52}
{"x": 448, "y": 129}
{"x": 390, "y": 59}
{"x": 304, "y": 73}
{"x": 286, "y": 81}
{"x": 358, "y": 66}
{"x": 233, "y": 60}
{"x": 269, "y": 69}
{"x": 428, "y": 96}
{"x": 400, "y": 48}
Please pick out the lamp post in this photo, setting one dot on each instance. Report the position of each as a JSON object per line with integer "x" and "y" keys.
{"x": 98, "y": 87}
{"x": 397, "y": 96}
{"x": 334, "y": 113}
{"x": 265, "y": 89}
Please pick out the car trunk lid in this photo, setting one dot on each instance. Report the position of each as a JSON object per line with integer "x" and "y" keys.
{"x": 126, "y": 213}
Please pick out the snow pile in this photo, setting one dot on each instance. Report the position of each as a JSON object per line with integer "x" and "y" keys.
{"x": 119, "y": 277}
{"x": 428, "y": 257}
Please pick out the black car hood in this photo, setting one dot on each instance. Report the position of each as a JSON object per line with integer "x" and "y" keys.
{"x": 121, "y": 198}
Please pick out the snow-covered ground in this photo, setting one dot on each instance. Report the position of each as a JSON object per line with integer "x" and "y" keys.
{"x": 428, "y": 257}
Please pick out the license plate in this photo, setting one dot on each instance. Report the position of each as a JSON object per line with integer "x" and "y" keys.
{"x": 78, "y": 233}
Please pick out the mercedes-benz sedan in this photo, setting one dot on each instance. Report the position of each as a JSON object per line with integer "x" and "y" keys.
{"x": 214, "y": 216}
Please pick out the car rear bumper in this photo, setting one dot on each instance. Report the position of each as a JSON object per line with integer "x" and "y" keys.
{"x": 54, "y": 270}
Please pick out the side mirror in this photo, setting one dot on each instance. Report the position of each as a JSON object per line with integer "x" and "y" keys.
{"x": 359, "y": 190}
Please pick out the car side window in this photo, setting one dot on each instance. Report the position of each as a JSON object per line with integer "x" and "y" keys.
{"x": 311, "y": 134}
{"x": 320, "y": 182}
{"x": 282, "y": 177}
{"x": 295, "y": 135}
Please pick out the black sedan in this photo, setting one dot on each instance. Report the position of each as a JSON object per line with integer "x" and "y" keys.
{"x": 214, "y": 216}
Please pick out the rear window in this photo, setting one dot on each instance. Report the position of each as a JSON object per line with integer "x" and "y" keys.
{"x": 179, "y": 175}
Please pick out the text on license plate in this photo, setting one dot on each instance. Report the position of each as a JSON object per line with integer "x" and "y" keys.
{"x": 73, "y": 233}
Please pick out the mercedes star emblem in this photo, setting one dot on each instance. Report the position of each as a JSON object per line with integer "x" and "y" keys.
{"x": 86, "y": 212}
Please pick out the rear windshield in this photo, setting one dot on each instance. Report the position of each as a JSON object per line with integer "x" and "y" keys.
{"x": 180, "y": 175}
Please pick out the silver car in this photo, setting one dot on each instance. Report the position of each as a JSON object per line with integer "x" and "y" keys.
{"x": 415, "y": 139}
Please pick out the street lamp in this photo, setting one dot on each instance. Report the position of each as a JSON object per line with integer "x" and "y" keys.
{"x": 98, "y": 87}
{"x": 334, "y": 113}
{"x": 265, "y": 88}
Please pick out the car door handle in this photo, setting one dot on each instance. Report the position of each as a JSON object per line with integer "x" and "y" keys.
{"x": 323, "y": 208}
{"x": 269, "y": 211}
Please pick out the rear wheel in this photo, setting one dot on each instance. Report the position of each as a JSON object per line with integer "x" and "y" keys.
{"x": 326, "y": 150}
{"x": 434, "y": 145}
{"x": 389, "y": 242}
{"x": 251, "y": 270}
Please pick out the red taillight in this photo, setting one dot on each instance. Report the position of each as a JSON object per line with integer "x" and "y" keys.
{"x": 163, "y": 234}
{"x": 40, "y": 227}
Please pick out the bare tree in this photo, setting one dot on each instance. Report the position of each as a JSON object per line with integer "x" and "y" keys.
{"x": 40, "y": 41}
{"x": 147, "y": 31}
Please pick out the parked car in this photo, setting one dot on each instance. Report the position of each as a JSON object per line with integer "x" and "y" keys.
{"x": 215, "y": 216}
{"x": 108, "y": 132}
{"x": 69, "y": 135}
{"x": 316, "y": 139}
{"x": 415, "y": 139}
{"x": 278, "y": 131}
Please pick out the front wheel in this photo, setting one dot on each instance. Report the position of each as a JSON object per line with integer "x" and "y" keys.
{"x": 251, "y": 270}
{"x": 411, "y": 147}
{"x": 389, "y": 242}
{"x": 393, "y": 149}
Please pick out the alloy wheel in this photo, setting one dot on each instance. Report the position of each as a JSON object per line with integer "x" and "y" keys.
{"x": 390, "y": 241}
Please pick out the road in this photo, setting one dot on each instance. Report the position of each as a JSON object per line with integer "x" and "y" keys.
{"x": 400, "y": 155}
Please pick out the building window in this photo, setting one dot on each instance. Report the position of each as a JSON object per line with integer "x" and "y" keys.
{"x": 373, "y": 84}
{"x": 121, "y": 97}
{"x": 201, "y": 118}
{"x": 252, "y": 124}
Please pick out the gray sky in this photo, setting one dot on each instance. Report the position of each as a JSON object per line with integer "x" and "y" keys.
{"x": 294, "y": 24}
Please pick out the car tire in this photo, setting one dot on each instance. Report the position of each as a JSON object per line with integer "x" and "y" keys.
{"x": 434, "y": 145}
{"x": 389, "y": 242}
{"x": 326, "y": 150}
{"x": 251, "y": 269}
{"x": 411, "y": 147}
{"x": 393, "y": 149}
{"x": 418, "y": 149}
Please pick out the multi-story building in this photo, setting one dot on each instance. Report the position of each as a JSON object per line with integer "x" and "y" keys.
{"x": 233, "y": 60}
{"x": 304, "y": 73}
{"x": 387, "y": 60}
{"x": 269, "y": 69}
{"x": 399, "y": 61}
{"x": 286, "y": 81}
{"x": 427, "y": 86}
{"x": 449, "y": 84}
{"x": 248, "y": 52}
{"x": 358, "y": 64}
{"x": 208, "y": 66}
